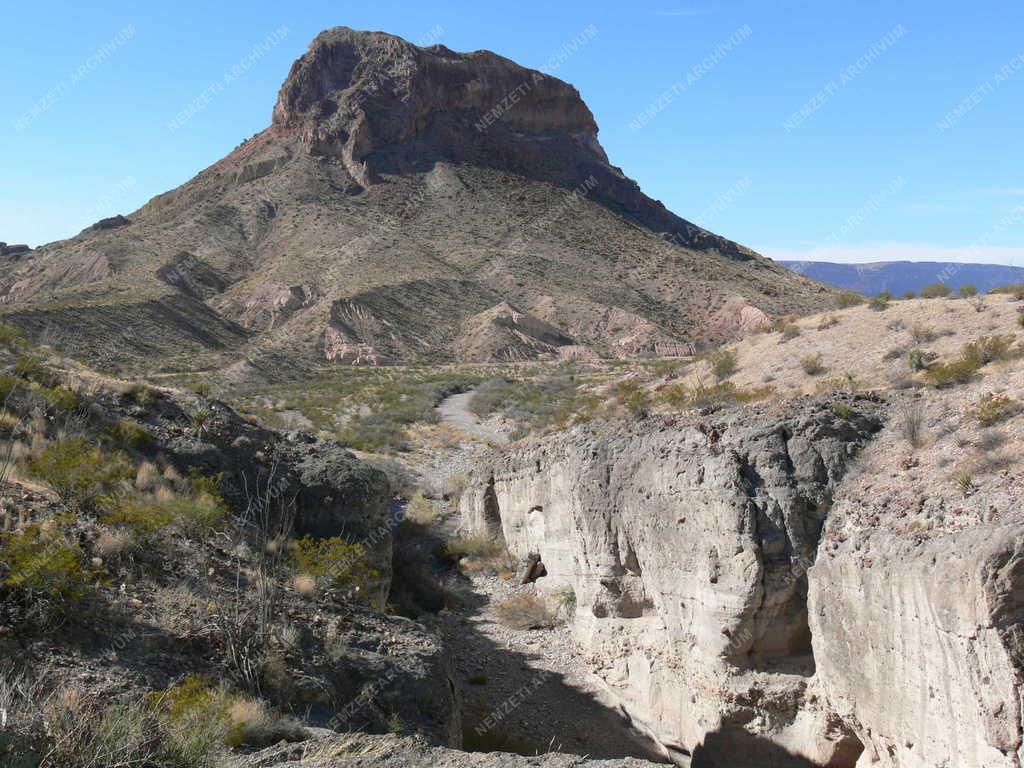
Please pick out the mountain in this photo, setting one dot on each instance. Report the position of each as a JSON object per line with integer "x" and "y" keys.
{"x": 405, "y": 204}
{"x": 899, "y": 277}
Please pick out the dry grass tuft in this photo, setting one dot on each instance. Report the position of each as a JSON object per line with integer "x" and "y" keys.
{"x": 526, "y": 611}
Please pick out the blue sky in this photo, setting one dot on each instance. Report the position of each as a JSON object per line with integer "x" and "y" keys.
{"x": 824, "y": 129}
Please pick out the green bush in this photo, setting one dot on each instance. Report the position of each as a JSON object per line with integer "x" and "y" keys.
{"x": 59, "y": 398}
{"x": 787, "y": 328}
{"x": 1016, "y": 290}
{"x": 993, "y": 409}
{"x": 967, "y": 291}
{"x": 843, "y": 411}
{"x": 988, "y": 349}
{"x": 909, "y": 295}
{"x": 936, "y": 291}
{"x": 10, "y": 337}
{"x": 81, "y": 474}
{"x": 31, "y": 369}
{"x": 334, "y": 561}
{"x": 7, "y": 386}
{"x": 632, "y": 397}
{"x": 44, "y": 572}
{"x": 128, "y": 435}
{"x": 140, "y": 394}
{"x": 723, "y": 363}
{"x": 878, "y": 303}
{"x": 847, "y": 299}
{"x": 951, "y": 373}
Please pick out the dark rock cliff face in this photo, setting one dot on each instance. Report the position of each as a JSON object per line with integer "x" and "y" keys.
{"x": 384, "y": 105}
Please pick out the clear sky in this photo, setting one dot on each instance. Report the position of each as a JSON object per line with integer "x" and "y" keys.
{"x": 816, "y": 129}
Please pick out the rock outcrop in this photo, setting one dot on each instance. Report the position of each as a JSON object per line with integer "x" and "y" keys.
{"x": 687, "y": 545}
{"x": 750, "y": 604}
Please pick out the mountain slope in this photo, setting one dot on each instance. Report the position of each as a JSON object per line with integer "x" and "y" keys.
{"x": 400, "y": 195}
{"x": 899, "y": 277}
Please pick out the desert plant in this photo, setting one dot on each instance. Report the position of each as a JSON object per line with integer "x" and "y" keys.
{"x": 525, "y": 611}
{"x": 993, "y": 409}
{"x": 878, "y": 303}
{"x": 936, "y": 291}
{"x": 81, "y": 474}
{"x": 916, "y": 360}
{"x": 911, "y": 423}
{"x": 59, "y": 398}
{"x": 44, "y": 573}
{"x": 947, "y": 374}
{"x": 847, "y": 299}
{"x": 967, "y": 291}
{"x": 965, "y": 482}
{"x": 723, "y": 363}
{"x": 10, "y": 337}
{"x": 828, "y": 321}
{"x": 336, "y": 563}
{"x": 139, "y": 393}
{"x": 420, "y": 510}
{"x": 812, "y": 364}
{"x": 788, "y": 329}
{"x": 565, "y": 601}
{"x": 922, "y": 334}
{"x": 31, "y": 368}
{"x": 909, "y": 295}
{"x": 479, "y": 552}
{"x": 988, "y": 349}
{"x": 128, "y": 435}
{"x": 843, "y": 411}
{"x": 632, "y": 397}
{"x": 1014, "y": 290}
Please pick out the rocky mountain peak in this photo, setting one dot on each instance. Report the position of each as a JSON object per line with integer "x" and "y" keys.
{"x": 367, "y": 96}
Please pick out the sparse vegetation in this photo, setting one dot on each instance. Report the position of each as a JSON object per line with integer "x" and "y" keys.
{"x": 81, "y": 474}
{"x": 996, "y": 408}
{"x": 812, "y": 364}
{"x": 788, "y": 329}
{"x": 967, "y": 291}
{"x": 525, "y": 611}
{"x": 936, "y": 291}
{"x": 947, "y": 374}
{"x": 334, "y": 562}
{"x": 916, "y": 359}
{"x": 128, "y": 435}
{"x": 847, "y": 299}
{"x": 922, "y": 334}
{"x": 878, "y": 303}
{"x": 633, "y": 397}
{"x": 911, "y": 423}
{"x": 723, "y": 363}
{"x": 843, "y": 411}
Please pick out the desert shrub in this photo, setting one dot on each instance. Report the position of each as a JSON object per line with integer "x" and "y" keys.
{"x": 847, "y": 299}
{"x": 81, "y": 474}
{"x": 128, "y": 435}
{"x": 988, "y": 349}
{"x": 675, "y": 396}
{"x": 10, "y": 337}
{"x": 936, "y": 291}
{"x": 480, "y": 553}
{"x": 59, "y": 398}
{"x": 1015, "y": 290}
{"x": 922, "y": 334}
{"x": 334, "y": 562}
{"x": 1020, "y": 319}
{"x": 525, "y": 611}
{"x": 916, "y": 359}
{"x": 968, "y": 291}
{"x": 45, "y": 573}
{"x": 947, "y": 374}
{"x": 420, "y": 510}
{"x": 911, "y": 423}
{"x": 878, "y": 303}
{"x": 788, "y": 329}
{"x": 909, "y": 295}
{"x": 565, "y": 601}
{"x": 843, "y": 411}
{"x": 31, "y": 368}
{"x": 812, "y": 364}
{"x": 456, "y": 486}
{"x": 723, "y": 363}
{"x": 8, "y": 384}
{"x": 632, "y": 397}
{"x": 139, "y": 393}
{"x": 828, "y": 321}
{"x": 993, "y": 409}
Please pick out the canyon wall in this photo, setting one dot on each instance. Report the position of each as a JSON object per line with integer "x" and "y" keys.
{"x": 690, "y": 541}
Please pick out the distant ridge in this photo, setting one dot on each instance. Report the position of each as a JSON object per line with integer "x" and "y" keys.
{"x": 899, "y": 277}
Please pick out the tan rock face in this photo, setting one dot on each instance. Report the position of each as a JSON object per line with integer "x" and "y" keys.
{"x": 688, "y": 545}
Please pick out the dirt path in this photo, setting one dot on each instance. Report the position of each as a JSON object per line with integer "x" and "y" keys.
{"x": 454, "y": 410}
